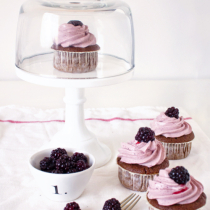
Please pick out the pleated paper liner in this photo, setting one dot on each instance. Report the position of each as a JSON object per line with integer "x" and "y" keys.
{"x": 176, "y": 151}
{"x": 75, "y": 62}
{"x": 134, "y": 181}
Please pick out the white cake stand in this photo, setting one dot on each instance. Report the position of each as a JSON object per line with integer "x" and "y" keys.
{"x": 75, "y": 133}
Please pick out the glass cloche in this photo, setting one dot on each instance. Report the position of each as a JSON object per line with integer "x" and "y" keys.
{"x": 79, "y": 39}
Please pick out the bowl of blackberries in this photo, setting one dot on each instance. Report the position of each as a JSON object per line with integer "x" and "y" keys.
{"x": 62, "y": 174}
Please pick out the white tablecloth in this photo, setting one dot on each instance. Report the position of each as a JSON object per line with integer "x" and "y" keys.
{"x": 24, "y": 130}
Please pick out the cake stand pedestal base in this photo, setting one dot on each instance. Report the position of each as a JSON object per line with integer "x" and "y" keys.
{"x": 75, "y": 133}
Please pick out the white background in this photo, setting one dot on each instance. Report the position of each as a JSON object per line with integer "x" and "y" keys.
{"x": 172, "y": 38}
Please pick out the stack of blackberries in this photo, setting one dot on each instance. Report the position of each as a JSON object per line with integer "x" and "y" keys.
{"x": 60, "y": 163}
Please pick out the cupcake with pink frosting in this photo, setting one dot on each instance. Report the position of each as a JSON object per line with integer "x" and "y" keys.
{"x": 174, "y": 133}
{"x": 75, "y": 48}
{"x": 175, "y": 189}
{"x": 140, "y": 160}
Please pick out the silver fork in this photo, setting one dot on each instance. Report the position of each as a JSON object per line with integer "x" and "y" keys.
{"x": 130, "y": 202}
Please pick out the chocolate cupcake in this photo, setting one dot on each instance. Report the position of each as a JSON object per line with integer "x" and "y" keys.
{"x": 175, "y": 189}
{"x": 174, "y": 133}
{"x": 140, "y": 160}
{"x": 75, "y": 48}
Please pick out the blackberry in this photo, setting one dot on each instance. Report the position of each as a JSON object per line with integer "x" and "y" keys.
{"x": 79, "y": 156}
{"x": 81, "y": 165}
{"x": 55, "y": 171}
{"x": 180, "y": 175}
{"x": 57, "y": 153}
{"x": 72, "y": 206}
{"x": 47, "y": 164}
{"x": 75, "y": 22}
{"x": 145, "y": 134}
{"x": 64, "y": 163}
{"x": 172, "y": 112}
{"x": 112, "y": 204}
{"x": 73, "y": 170}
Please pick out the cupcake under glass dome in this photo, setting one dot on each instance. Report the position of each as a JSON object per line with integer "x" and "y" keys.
{"x": 80, "y": 39}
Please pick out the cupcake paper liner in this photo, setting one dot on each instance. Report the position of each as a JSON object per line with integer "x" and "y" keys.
{"x": 75, "y": 62}
{"x": 176, "y": 151}
{"x": 134, "y": 181}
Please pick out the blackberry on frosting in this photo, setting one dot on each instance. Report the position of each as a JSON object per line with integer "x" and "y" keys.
{"x": 145, "y": 134}
{"x": 180, "y": 175}
{"x": 172, "y": 112}
{"x": 75, "y": 22}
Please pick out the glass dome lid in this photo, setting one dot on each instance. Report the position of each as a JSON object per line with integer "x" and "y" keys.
{"x": 75, "y": 39}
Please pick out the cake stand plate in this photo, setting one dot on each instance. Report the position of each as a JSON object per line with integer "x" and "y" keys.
{"x": 75, "y": 133}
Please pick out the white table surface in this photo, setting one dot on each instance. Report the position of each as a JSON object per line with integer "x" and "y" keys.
{"x": 192, "y": 95}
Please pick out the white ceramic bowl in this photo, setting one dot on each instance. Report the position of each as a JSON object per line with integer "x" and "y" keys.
{"x": 60, "y": 187}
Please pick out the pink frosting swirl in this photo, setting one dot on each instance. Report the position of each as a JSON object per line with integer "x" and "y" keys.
{"x": 167, "y": 192}
{"x": 170, "y": 126}
{"x": 145, "y": 154}
{"x": 75, "y": 36}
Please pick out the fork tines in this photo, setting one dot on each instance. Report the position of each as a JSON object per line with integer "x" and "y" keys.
{"x": 130, "y": 202}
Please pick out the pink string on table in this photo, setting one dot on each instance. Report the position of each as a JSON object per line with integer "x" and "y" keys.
{"x": 88, "y": 119}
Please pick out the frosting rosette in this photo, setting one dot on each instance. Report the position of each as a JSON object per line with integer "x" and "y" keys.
{"x": 75, "y": 36}
{"x": 145, "y": 154}
{"x": 167, "y": 192}
{"x": 170, "y": 126}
